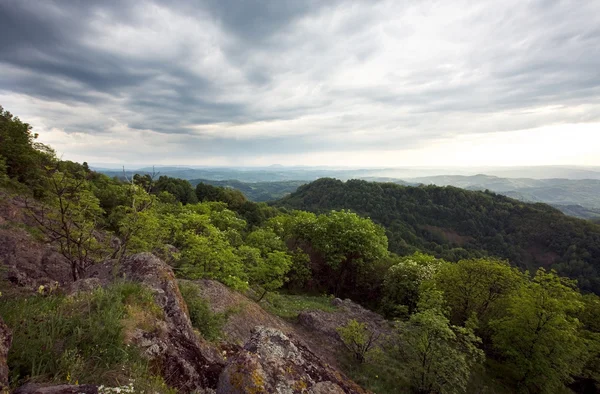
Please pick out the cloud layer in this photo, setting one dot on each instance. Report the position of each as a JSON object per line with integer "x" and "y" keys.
{"x": 301, "y": 82}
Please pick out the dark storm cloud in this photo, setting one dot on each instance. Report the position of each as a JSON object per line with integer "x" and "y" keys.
{"x": 254, "y": 77}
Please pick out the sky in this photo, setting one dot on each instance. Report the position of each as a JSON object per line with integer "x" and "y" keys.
{"x": 338, "y": 82}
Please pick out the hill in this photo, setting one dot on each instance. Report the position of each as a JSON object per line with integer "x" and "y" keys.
{"x": 454, "y": 223}
{"x": 256, "y": 191}
{"x": 563, "y": 194}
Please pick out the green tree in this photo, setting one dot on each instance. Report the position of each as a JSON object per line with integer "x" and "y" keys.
{"x": 358, "y": 339}
{"x": 69, "y": 219}
{"x": 346, "y": 243}
{"x": 539, "y": 337}
{"x": 440, "y": 357}
{"x": 403, "y": 280}
{"x": 478, "y": 286}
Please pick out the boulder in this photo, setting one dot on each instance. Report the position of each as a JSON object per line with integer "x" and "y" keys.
{"x": 5, "y": 341}
{"x": 59, "y": 389}
{"x": 326, "y": 323}
{"x": 187, "y": 362}
{"x": 272, "y": 362}
{"x": 83, "y": 286}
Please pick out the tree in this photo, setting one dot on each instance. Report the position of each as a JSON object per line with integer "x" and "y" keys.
{"x": 69, "y": 219}
{"x": 539, "y": 337}
{"x": 402, "y": 282}
{"x": 180, "y": 188}
{"x": 358, "y": 339}
{"x": 346, "y": 243}
{"x": 478, "y": 286}
{"x": 440, "y": 357}
{"x": 271, "y": 262}
{"x": 24, "y": 158}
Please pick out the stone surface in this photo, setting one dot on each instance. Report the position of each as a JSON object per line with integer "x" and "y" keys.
{"x": 83, "y": 286}
{"x": 187, "y": 363}
{"x": 271, "y": 362}
{"x": 59, "y": 389}
{"x": 5, "y": 341}
{"x": 326, "y": 323}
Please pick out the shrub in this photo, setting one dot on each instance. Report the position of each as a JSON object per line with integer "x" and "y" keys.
{"x": 358, "y": 339}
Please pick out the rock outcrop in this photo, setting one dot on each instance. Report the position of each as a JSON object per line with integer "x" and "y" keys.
{"x": 271, "y": 362}
{"x": 326, "y": 323}
{"x": 247, "y": 314}
{"x": 59, "y": 389}
{"x": 186, "y": 362}
{"x": 5, "y": 341}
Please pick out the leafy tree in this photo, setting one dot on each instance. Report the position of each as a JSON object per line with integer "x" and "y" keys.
{"x": 180, "y": 188}
{"x": 69, "y": 219}
{"x": 345, "y": 242}
{"x": 478, "y": 286}
{"x": 24, "y": 158}
{"x": 358, "y": 339}
{"x": 403, "y": 280}
{"x": 440, "y": 357}
{"x": 208, "y": 254}
{"x": 539, "y": 337}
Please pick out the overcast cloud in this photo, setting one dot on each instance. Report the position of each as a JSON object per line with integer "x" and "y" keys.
{"x": 360, "y": 83}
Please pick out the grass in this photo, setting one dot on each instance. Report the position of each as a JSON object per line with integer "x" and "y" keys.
{"x": 35, "y": 232}
{"x": 381, "y": 373}
{"x": 209, "y": 324}
{"x": 288, "y": 306}
{"x": 81, "y": 339}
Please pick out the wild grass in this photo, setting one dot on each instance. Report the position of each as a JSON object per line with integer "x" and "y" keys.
{"x": 288, "y": 306}
{"x": 209, "y": 324}
{"x": 79, "y": 339}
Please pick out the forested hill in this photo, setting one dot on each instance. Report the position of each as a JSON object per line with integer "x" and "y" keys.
{"x": 455, "y": 223}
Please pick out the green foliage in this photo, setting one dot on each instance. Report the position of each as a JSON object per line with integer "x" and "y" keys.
{"x": 440, "y": 357}
{"x": 479, "y": 287}
{"x": 209, "y": 324}
{"x": 23, "y": 158}
{"x": 3, "y": 171}
{"x": 77, "y": 339}
{"x": 256, "y": 191}
{"x": 181, "y": 189}
{"x": 69, "y": 217}
{"x": 358, "y": 339}
{"x": 539, "y": 337}
{"x": 403, "y": 280}
{"x": 345, "y": 247}
{"x": 456, "y": 224}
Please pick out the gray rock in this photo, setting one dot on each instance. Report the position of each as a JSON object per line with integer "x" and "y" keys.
{"x": 187, "y": 362}
{"x": 59, "y": 389}
{"x": 83, "y": 286}
{"x": 271, "y": 362}
{"x": 5, "y": 341}
{"x": 337, "y": 302}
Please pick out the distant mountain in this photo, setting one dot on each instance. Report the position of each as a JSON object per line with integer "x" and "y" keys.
{"x": 455, "y": 223}
{"x": 272, "y": 174}
{"x": 565, "y": 194}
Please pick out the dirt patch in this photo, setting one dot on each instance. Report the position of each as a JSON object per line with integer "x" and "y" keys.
{"x": 542, "y": 256}
{"x": 448, "y": 235}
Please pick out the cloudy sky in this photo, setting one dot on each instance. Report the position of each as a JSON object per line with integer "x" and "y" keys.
{"x": 259, "y": 82}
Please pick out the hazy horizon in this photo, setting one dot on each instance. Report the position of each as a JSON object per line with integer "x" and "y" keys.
{"x": 356, "y": 84}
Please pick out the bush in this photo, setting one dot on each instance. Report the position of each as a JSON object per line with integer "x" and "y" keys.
{"x": 209, "y": 324}
{"x": 358, "y": 339}
{"x": 78, "y": 339}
